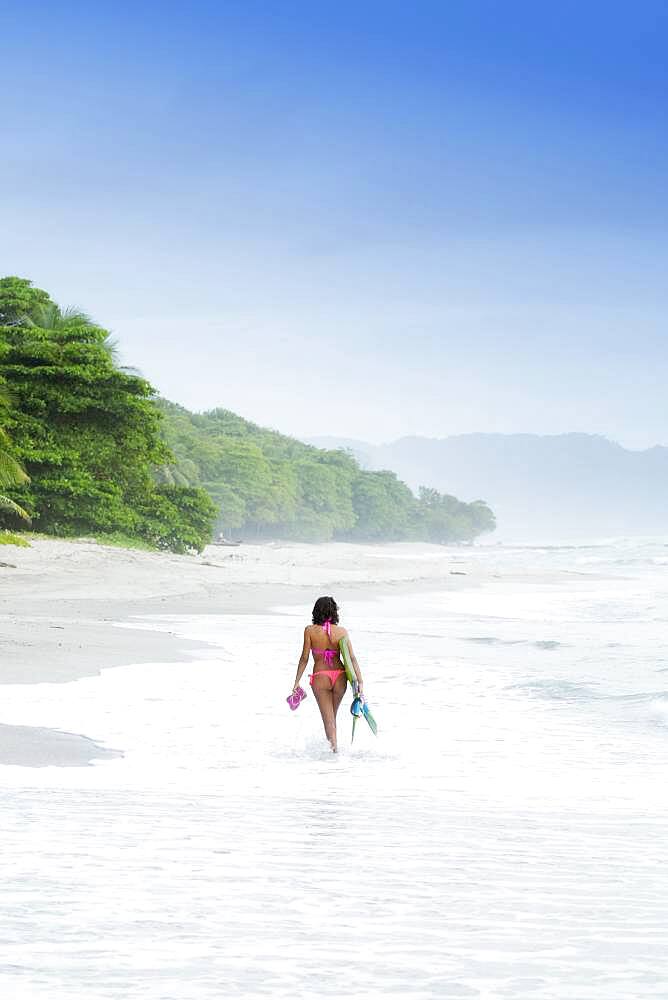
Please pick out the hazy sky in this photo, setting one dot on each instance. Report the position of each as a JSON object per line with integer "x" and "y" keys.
{"x": 353, "y": 217}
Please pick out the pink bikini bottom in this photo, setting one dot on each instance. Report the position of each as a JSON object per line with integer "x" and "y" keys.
{"x": 332, "y": 674}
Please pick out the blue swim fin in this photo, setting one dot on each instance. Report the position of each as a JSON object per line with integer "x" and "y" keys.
{"x": 356, "y": 710}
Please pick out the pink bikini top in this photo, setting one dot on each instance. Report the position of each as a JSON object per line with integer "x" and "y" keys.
{"x": 327, "y": 654}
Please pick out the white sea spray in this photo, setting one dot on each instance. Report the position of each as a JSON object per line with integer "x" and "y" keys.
{"x": 504, "y": 836}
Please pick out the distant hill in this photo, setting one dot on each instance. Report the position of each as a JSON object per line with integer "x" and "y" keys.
{"x": 540, "y": 487}
{"x": 267, "y": 485}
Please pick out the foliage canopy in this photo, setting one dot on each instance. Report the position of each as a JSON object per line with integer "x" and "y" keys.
{"x": 87, "y": 432}
{"x": 103, "y": 455}
{"x": 269, "y": 485}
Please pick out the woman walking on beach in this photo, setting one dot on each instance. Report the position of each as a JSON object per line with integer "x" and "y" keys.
{"x": 328, "y": 679}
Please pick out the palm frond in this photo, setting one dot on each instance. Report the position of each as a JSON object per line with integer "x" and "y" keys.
{"x": 52, "y": 317}
{"x": 72, "y": 315}
{"x": 7, "y": 504}
{"x": 110, "y": 344}
{"x": 11, "y": 473}
{"x": 44, "y": 316}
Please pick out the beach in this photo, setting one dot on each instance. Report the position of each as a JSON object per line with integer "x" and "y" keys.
{"x": 62, "y": 602}
{"x": 172, "y": 830}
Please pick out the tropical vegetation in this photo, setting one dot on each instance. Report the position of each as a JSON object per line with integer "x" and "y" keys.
{"x": 86, "y": 431}
{"x": 11, "y": 473}
{"x": 267, "y": 485}
{"x": 87, "y": 448}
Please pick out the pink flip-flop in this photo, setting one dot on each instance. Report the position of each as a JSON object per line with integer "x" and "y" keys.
{"x": 295, "y": 699}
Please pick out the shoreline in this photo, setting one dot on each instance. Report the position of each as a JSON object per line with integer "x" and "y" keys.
{"x": 61, "y": 600}
{"x": 61, "y": 603}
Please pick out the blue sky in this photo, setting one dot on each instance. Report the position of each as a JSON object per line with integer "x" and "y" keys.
{"x": 364, "y": 219}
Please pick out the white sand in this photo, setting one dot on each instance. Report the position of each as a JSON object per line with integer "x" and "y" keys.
{"x": 85, "y": 570}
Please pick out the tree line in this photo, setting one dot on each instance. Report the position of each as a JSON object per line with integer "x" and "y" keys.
{"x": 87, "y": 448}
{"x": 267, "y": 485}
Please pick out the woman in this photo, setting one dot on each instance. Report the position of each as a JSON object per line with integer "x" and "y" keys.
{"x": 328, "y": 679}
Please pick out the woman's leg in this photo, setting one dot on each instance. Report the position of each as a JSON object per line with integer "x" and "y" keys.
{"x": 338, "y": 693}
{"x": 324, "y": 695}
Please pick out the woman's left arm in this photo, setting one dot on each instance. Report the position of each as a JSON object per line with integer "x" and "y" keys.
{"x": 303, "y": 659}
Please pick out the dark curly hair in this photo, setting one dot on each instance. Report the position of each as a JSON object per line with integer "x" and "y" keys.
{"x": 325, "y": 608}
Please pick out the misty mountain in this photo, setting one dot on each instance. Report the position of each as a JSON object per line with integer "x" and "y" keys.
{"x": 541, "y": 487}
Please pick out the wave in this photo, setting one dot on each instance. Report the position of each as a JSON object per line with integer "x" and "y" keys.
{"x": 557, "y": 690}
{"x": 493, "y": 640}
{"x": 553, "y": 548}
{"x": 647, "y": 706}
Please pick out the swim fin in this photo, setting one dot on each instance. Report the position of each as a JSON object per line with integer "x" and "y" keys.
{"x": 359, "y": 708}
{"x": 356, "y": 710}
{"x": 366, "y": 712}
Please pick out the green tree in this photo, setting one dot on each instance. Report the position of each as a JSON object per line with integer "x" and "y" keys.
{"x": 176, "y": 518}
{"x": 325, "y": 506}
{"x": 443, "y": 518}
{"x": 50, "y": 316}
{"x": 384, "y": 507}
{"x": 88, "y": 432}
{"x": 18, "y": 300}
{"x": 482, "y": 517}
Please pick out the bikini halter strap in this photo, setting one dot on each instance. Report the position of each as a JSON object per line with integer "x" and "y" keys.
{"x": 327, "y": 625}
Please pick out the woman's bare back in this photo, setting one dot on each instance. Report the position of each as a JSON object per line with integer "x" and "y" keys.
{"x": 320, "y": 640}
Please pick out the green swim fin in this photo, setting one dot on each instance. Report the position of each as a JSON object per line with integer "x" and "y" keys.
{"x": 366, "y": 712}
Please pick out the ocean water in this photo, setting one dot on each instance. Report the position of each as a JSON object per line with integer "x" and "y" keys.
{"x": 504, "y": 836}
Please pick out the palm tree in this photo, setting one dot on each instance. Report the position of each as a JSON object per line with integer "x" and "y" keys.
{"x": 52, "y": 317}
{"x": 11, "y": 473}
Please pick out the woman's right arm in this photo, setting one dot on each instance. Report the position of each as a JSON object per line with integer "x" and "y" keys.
{"x": 303, "y": 659}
